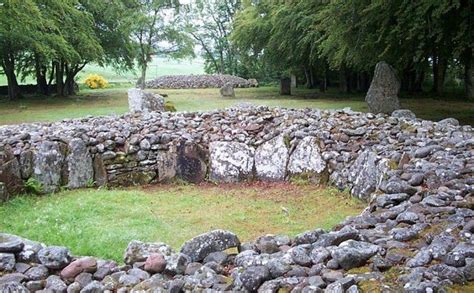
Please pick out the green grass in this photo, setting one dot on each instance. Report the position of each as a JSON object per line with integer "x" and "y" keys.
{"x": 158, "y": 67}
{"x": 102, "y": 222}
{"x": 114, "y": 101}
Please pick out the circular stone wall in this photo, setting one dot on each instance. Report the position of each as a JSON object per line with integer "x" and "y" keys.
{"x": 416, "y": 176}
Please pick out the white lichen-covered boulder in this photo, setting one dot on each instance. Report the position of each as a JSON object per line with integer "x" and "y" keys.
{"x": 271, "y": 159}
{"x": 230, "y": 161}
{"x": 79, "y": 162}
{"x": 48, "y": 162}
{"x": 140, "y": 101}
{"x": 306, "y": 160}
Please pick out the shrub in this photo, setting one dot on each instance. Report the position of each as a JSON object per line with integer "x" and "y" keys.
{"x": 33, "y": 186}
{"x": 95, "y": 81}
{"x": 170, "y": 107}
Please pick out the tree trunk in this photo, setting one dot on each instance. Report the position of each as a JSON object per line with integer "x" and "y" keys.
{"x": 343, "y": 81}
{"x": 469, "y": 74}
{"x": 323, "y": 84}
{"x": 41, "y": 81}
{"x": 8, "y": 65}
{"x": 312, "y": 77}
{"x": 59, "y": 78}
{"x": 143, "y": 77}
{"x": 439, "y": 74}
{"x": 308, "y": 79}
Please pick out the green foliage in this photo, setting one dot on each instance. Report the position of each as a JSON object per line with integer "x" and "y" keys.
{"x": 90, "y": 183}
{"x": 157, "y": 31}
{"x": 33, "y": 186}
{"x": 169, "y": 106}
{"x": 351, "y": 36}
{"x": 95, "y": 81}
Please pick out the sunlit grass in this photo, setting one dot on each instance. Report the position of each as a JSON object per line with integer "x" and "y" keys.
{"x": 102, "y": 222}
{"x": 114, "y": 101}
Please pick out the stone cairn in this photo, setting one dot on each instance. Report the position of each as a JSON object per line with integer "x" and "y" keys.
{"x": 416, "y": 175}
{"x": 382, "y": 96}
{"x": 199, "y": 81}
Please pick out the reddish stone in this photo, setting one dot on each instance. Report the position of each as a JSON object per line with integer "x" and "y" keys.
{"x": 82, "y": 265}
{"x": 155, "y": 263}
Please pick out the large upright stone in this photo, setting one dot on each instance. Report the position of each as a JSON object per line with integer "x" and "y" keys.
{"x": 306, "y": 160}
{"x": 10, "y": 174}
{"x": 227, "y": 91}
{"x": 271, "y": 159}
{"x": 166, "y": 164}
{"x": 79, "y": 161}
{"x": 230, "y": 161}
{"x": 191, "y": 162}
{"x": 382, "y": 96}
{"x": 285, "y": 86}
{"x": 366, "y": 174}
{"x": 140, "y": 101}
{"x": 48, "y": 161}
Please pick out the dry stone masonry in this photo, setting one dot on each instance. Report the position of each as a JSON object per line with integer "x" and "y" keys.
{"x": 416, "y": 176}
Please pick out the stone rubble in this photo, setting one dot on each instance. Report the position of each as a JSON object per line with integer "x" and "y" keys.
{"x": 416, "y": 175}
{"x": 199, "y": 81}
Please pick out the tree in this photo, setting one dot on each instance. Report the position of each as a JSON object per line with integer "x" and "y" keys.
{"x": 20, "y": 24}
{"x": 210, "y": 22}
{"x": 157, "y": 31}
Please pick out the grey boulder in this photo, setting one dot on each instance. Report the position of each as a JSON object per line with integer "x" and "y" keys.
{"x": 382, "y": 96}
{"x": 351, "y": 254}
{"x": 201, "y": 246}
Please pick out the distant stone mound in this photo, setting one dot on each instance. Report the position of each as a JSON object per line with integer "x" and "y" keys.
{"x": 197, "y": 81}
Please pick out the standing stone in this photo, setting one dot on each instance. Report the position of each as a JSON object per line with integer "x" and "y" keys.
{"x": 285, "y": 86}
{"x": 48, "y": 161}
{"x": 10, "y": 178}
{"x": 79, "y": 160}
{"x": 382, "y": 96}
{"x": 230, "y": 161}
{"x": 100, "y": 173}
{"x": 366, "y": 174}
{"x": 271, "y": 159}
{"x": 191, "y": 164}
{"x": 140, "y": 101}
{"x": 306, "y": 160}
{"x": 26, "y": 164}
{"x": 166, "y": 164}
{"x": 228, "y": 90}
{"x": 293, "y": 81}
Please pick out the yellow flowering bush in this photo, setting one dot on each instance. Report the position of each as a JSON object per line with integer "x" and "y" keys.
{"x": 95, "y": 81}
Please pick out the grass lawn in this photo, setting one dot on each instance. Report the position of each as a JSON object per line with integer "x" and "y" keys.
{"x": 114, "y": 101}
{"x": 102, "y": 222}
{"x": 158, "y": 67}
